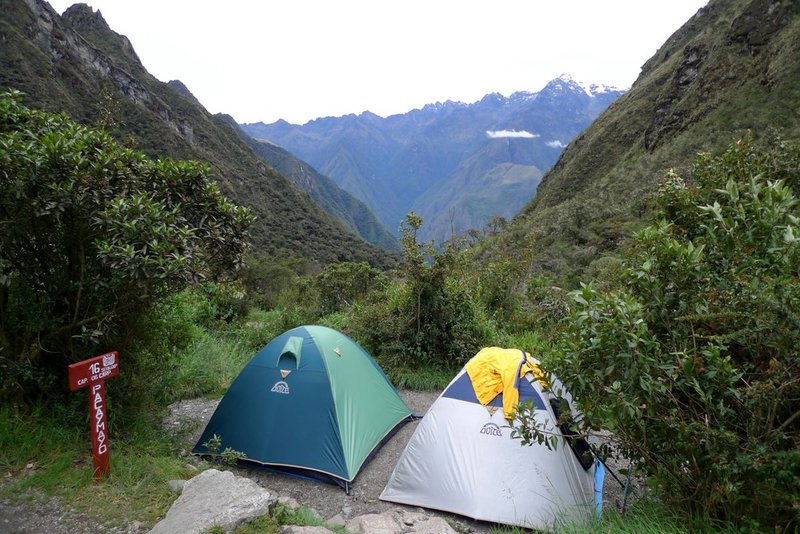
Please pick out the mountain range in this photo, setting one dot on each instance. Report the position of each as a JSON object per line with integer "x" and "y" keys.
{"x": 76, "y": 64}
{"x": 457, "y": 165}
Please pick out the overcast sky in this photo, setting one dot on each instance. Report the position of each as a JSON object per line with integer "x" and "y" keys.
{"x": 298, "y": 60}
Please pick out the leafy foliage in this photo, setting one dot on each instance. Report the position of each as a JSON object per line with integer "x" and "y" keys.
{"x": 92, "y": 234}
{"x": 40, "y": 55}
{"x": 430, "y": 318}
{"x": 695, "y": 364}
{"x": 684, "y": 102}
{"x": 227, "y": 457}
{"x": 265, "y": 279}
{"x": 340, "y": 285}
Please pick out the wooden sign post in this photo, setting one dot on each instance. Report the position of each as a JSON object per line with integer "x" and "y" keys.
{"x": 92, "y": 374}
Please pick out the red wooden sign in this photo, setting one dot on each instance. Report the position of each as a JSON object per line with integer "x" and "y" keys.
{"x": 92, "y": 374}
{"x": 93, "y": 370}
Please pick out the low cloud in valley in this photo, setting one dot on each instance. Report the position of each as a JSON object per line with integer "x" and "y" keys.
{"x": 496, "y": 134}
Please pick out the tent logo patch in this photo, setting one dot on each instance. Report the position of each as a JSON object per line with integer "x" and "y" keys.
{"x": 280, "y": 387}
{"x": 491, "y": 429}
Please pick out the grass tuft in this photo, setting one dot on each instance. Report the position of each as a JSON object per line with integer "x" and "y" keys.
{"x": 422, "y": 379}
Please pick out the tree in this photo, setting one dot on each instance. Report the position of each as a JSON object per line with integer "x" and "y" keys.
{"x": 340, "y": 285}
{"x": 695, "y": 363}
{"x": 93, "y": 234}
{"x": 428, "y": 319}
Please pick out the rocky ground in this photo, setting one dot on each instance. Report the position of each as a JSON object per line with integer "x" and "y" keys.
{"x": 35, "y": 513}
{"x": 328, "y": 500}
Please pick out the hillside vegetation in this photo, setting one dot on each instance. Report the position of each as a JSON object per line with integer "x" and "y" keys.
{"x": 324, "y": 191}
{"x": 692, "y": 360}
{"x": 78, "y": 65}
{"x": 730, "y": 70}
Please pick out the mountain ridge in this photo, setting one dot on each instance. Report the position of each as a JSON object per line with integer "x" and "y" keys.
{"x": 324, "y": 191}
{"x": 395, "y": 163}
{"x": 729, "y": 72}
{"x": 78, "y": 65}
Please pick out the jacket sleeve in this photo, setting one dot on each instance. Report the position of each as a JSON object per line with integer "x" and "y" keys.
{"x": 511, "y": 371}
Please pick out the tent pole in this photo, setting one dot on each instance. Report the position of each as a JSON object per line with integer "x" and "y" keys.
{"x": 625, "y": 491}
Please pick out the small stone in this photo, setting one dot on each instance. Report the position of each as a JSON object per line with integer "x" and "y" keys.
{"x": 29, "y": 466}
{"x": 288, "y": 502}
{"x": 336, "y": 521}
{"x": 314, "y": 514}
{"x": 176, "y": 485}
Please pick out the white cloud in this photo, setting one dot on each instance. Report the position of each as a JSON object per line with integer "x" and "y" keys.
{"x": 495, "y": 134}
{"x": 555, "y": 144}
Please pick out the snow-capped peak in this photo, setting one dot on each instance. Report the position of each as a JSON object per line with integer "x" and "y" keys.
{"x": 590, "y": 89}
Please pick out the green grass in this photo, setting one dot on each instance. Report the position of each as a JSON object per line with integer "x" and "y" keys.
{"x": 531, "y": 342}
{"x": 53, "y": 439}
{"x": 209, "y": 365}
{"x": 48, "y": 450}
{"x": 422, "y": 379}
{"x": 283, "y": 515}
{"x": 646, "y": 517}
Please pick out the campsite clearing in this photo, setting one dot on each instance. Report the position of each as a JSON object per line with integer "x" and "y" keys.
{"x": 188, "y": 419}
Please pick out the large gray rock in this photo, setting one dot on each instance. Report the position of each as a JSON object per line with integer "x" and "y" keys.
{"x": 397, "y": 521}
{"x": 215, "y": 498}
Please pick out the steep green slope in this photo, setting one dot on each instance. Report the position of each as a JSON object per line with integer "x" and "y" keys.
{"x": 495, "y": 182}
{"x": 77, "y": 64}
{"x": 732, "y": 70}
{"x": 324, "y": 191}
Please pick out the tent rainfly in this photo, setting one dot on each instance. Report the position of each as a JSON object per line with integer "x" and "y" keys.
{"x": 462, "y": 458}
{"x": 311, "y": 403}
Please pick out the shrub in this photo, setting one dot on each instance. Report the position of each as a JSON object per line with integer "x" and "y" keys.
{"x": 265, "y": 280}
{"x": 340, "y": 285}
{"x": 695, "y": 363}
{"x": 92, "y": 236}
{"x": 430, "y": 317}
{"x": 548, "y": 301}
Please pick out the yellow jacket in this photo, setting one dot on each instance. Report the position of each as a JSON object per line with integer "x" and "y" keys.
{"x": 494, "y": 370}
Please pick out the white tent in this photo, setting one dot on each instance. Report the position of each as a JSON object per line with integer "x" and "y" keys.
{"x": 462, "y": 459}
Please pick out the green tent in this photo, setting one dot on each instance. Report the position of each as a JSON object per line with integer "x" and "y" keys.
{"x": 311, "y": 403}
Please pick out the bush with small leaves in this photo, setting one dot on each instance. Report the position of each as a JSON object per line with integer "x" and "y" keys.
{"x": 92, "y": 235}
{"x": 430, "y": 318}
{"x": 695, "y": 363}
